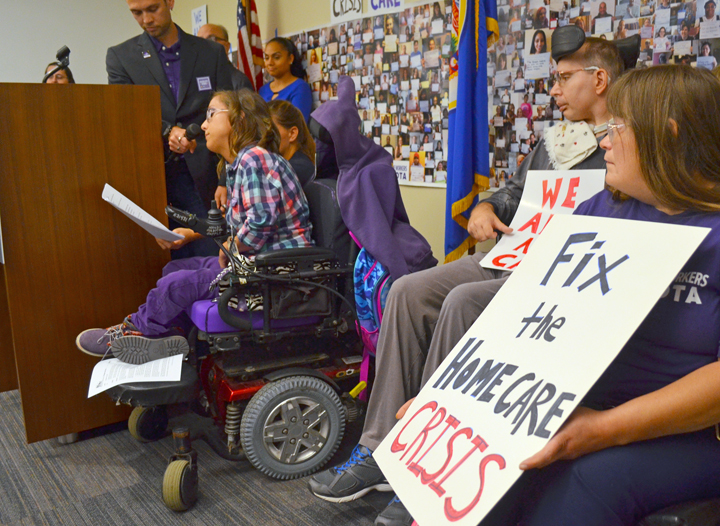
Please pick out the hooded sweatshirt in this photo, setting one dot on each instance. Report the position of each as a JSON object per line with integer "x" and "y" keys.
{"x": 368, "y": 192}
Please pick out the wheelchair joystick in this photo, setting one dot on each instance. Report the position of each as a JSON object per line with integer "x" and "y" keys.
{"x": 181, "y": 216}
{"x": 214, "y": 226}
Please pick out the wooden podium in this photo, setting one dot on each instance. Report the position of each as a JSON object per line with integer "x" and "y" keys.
{"x": 72, "y": 261}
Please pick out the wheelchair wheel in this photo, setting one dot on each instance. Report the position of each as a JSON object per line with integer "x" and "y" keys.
{"x": 147, "y": 424}
{"x": 180, "y": 485}
{"x": 292, "y": 427}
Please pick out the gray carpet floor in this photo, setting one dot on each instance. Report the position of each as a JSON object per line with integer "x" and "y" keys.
{"x": 108, "y": 478}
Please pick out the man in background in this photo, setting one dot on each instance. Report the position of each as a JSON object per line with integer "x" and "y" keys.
{"x": 219, "y": 34}
{"x": 188, "y": 70}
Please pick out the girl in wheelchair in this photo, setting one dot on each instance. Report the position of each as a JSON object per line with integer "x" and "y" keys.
{"x": 267, "y": 210}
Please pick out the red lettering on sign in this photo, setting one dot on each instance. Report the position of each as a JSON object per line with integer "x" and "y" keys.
{"x": 498, "y": 261}
{"x": 415, "y": 467}
{"x": 396, "y": 445}
{"x": 479, "y": 444}
{"x": 437, "y": 488}
{"x": 455, "y": 515}
{"x": 524, "y": 246}
{"x": 549, "y": 194}
{"x": 572, "y": 191}
{"x": 533, "y": 224}
{"x": 546, "y": 223}
{"x": 435, "y": 421}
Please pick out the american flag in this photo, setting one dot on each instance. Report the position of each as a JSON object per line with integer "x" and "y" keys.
{"x": 250, "y": 53}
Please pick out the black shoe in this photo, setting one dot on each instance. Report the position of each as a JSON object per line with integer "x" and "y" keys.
{"x": 396, "y": 514}
{"x": 357, "y": 477}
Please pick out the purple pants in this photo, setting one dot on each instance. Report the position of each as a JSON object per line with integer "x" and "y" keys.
{"x": 184, "y": 282}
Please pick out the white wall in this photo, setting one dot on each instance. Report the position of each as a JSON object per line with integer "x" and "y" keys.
{"x": 31, "y": 32}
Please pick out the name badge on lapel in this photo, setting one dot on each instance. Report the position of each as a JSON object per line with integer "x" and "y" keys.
{"x": 204, "y": 83}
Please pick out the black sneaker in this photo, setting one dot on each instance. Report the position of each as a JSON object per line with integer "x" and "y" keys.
{"x": 396, "y": 514}
{"x": 357, "y": 477}
{"x": 136, "y": 349}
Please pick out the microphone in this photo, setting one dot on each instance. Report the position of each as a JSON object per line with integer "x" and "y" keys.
{"x": 192, "y": 132}
{"x": 63, "y": 58}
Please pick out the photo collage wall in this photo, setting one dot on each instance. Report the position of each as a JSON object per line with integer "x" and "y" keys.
{"x": 520, "y": 69}
{"x": 400, "y": 65}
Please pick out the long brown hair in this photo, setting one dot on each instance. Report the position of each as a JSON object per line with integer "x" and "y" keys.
{"x": 250, "y": 122}
{"x": 679, "y": 162}
{"x": 289, "y": 116}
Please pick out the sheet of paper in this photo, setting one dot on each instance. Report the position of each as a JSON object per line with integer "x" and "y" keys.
{"x": 2, "y": 253}
{"x": 112, "y": 372}
{"x": 138, "y": 215}
{"x": 683, "y": 48}
{"x": 537, "y": 66}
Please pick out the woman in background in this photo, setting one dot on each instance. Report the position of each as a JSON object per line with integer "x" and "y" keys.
{"x": 283, "y": 63}
{"x": 61, "y": 76}
{"x": 539, "y": 42}
{"x": 296, "y": 143}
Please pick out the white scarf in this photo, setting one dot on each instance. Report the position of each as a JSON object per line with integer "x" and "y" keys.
{"x": 569, "y": 143}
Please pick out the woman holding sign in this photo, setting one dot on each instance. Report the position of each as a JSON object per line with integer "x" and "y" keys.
{"x": 645, "y": 435}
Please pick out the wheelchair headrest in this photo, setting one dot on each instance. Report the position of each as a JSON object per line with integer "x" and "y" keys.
{"x": 329, "y": 230}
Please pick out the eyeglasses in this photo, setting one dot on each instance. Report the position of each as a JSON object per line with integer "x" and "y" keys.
{"x": 612, "y": 128}
{"x": 561, "y": 77}
{"x": 216, "y": 39}
{"x": 212, "y": 111}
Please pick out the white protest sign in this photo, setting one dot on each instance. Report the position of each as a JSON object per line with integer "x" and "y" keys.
{"x": 546, "y": 193}
{"x": 199, "y": 18}
{"x": 342, "y": 10}
{"x": 527, "y": 361}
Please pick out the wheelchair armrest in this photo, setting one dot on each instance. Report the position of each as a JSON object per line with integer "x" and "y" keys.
{"x": 227, "y": 316}
{"x": 288, "y": 254}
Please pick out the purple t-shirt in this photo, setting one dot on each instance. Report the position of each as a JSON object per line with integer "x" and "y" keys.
{"x": 682, "y": 331}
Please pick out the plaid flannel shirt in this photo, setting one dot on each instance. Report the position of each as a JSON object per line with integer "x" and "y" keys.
{"x": 266, "y": 207}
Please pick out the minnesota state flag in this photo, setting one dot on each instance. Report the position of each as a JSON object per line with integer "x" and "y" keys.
{"x": 475, "y": 27}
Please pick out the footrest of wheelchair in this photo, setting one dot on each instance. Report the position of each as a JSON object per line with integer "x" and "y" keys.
{"x": 148, "y": 394}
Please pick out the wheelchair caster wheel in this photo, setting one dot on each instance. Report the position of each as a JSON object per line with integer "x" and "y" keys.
{"x": 292, "y": 427}
{"x": 147, "y": 424}
{"x": 180, "y": 485}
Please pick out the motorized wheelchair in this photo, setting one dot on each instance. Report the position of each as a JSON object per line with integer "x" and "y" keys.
{"x": 269, "y": 385}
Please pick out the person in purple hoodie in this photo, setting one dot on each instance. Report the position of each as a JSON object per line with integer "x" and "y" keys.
{"x": 368, "y": 191}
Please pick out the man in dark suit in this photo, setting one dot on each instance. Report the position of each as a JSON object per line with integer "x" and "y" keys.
{"x": 188, "y": 70}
